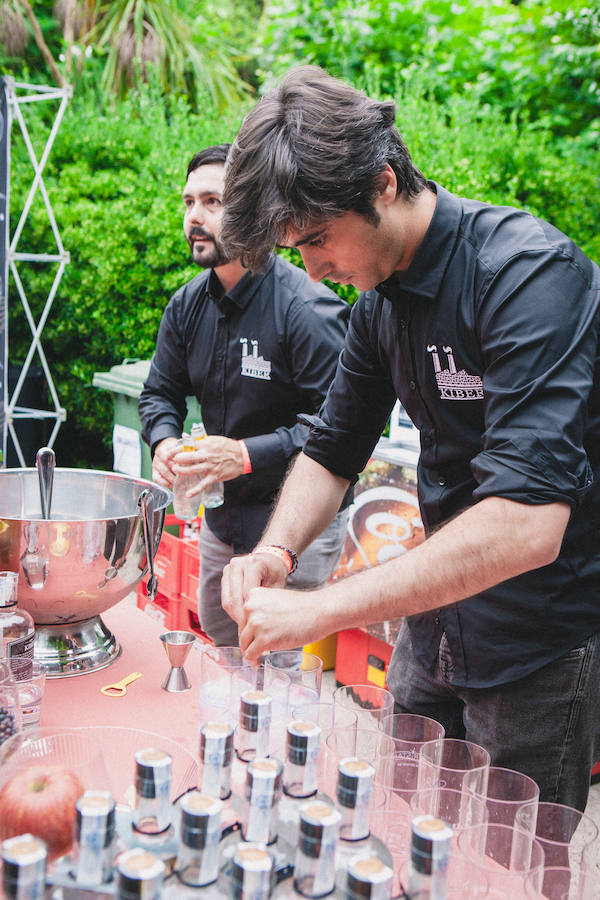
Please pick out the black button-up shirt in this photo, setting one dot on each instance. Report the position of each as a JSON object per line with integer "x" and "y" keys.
{"x": 254, "y": 358}
{"x": 490, "y": 340}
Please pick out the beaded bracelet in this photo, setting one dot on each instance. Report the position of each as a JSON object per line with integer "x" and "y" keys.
{"x": 288, "y": 557}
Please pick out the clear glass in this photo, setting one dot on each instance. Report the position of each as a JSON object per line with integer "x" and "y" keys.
{"x": 212, "y": 496}
{"x": 453, "y": 763}
{"x": 506, "y": 855}
{"x": 10, "y": 707}
{"x": 563, "y": 832}
{"x": 30, "y": 680}
{"x": 410, "y": 732}
{"x": 225, "y": 674}
{"x": 560, "y": 883}
{"x": 508, "y": 792}
{"x": 370, "y": 703}
{"x": 185, "y": 507}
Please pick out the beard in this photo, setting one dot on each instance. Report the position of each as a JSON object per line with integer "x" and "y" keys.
{"x": 208, "y": 255}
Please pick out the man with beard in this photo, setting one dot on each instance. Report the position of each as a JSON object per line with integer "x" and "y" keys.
{"x": 256, "y": 350}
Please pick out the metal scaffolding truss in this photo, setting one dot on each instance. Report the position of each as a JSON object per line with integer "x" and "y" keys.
{"x": 17, "y": 96}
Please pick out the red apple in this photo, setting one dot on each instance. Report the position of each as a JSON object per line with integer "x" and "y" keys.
{"x": 41, "y": 800}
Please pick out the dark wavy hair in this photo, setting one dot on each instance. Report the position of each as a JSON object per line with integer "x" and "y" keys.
{"x": 210, "y": 155}
{"x": 310, "y": 150}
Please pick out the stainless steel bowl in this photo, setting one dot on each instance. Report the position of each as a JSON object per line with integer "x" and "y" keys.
{"x": 89, "y": 554}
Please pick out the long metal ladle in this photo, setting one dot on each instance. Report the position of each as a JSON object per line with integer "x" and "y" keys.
{"x": 45, "y": 462}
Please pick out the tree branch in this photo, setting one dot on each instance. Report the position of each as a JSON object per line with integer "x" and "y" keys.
{"x": 43, "y": 46}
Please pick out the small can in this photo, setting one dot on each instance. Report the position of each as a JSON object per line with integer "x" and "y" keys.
{"x": 263, "y": 790}
{"x": 314, "y": 868}
{"x": 152, "y": 813}
{"x": 369, "y": 878}
{"x": 200, "y": 833}
{"x": 139, "y": 875}
{"x": 354, "y": 788}
{"x": 94, "y": 838}
{"x": 216, "y": 754}
{"x": 302, "y": 759}
{"x": 24, "y": 868}
{"x": 251, "y": 872}
{"x": 255, "y": 725}
{"x": 429, "y": 858}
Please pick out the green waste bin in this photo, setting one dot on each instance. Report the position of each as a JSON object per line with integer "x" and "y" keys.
{"x": 132, "y": 455}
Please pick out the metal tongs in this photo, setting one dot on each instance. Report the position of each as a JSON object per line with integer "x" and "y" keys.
{"x": 146, "y": 505}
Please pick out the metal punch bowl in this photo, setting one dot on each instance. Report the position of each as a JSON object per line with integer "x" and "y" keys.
{"x": 89, "y": 554}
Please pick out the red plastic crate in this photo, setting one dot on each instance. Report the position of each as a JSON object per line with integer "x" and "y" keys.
{"x": 361, "y": 658}
{"x": 164, "y": 609}
{"x": 190, "y": 568}
{"x": 167, "y": 564}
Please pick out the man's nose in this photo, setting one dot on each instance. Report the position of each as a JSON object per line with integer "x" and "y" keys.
{"x": 316, "y": 268}
{"x": 195, "y": 213}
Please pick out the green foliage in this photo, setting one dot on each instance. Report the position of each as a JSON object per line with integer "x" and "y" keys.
{"x": 539, "y": 59}
{"x": 115, "y": 180}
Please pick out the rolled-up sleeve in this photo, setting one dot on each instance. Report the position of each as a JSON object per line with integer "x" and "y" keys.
{"x": 538, "y": 330}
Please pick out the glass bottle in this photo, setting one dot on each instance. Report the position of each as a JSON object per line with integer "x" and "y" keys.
{"x": 353, "y": 794}
{"x": 212, "y": 496}
{"x": 139, "y": 875}
{"x": 198, "y": 857}
{"x": 429, "y": 859}
{"x": 314, "y": 869}
{"x": 17, "y": 630}
{"x": 255, "y": 725}
{"x": 24, "y": 868}
{"x": 300, "y": 773}
{"x": 251, "y": 872}
{"x": 369, "y": 879}
{"x": 152, "y": 812}
{"x": 215, "y": 757}
{"x": 94, "y": 838}
{"x": 185, "y": 508}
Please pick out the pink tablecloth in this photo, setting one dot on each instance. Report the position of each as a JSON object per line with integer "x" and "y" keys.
{"x": 76, "y": 700}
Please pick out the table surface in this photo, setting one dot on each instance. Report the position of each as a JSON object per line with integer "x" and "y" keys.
{"x": 76, "y": 700}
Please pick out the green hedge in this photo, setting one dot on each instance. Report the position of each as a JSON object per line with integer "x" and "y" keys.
{"x": 115, "y": 179}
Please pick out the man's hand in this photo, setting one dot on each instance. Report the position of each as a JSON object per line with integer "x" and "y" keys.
{"x": 279, "y": 620}
{"x": 246, "y": 572}
{"x": 216, "y": 459}
{"x": 162, "y": 463}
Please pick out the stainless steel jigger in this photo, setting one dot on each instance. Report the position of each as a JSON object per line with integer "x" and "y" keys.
{"x": 177, "y": 645}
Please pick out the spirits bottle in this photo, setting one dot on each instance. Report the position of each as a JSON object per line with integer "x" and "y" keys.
{"x": 314, "y": 868}
{"x": 353, "y": 794}
{"x": 198, "y": 857}
{"x": 369, "y": 879}
{"x": 152, "y": 812}
{"x": 24, "y": 868}
{"x": 212, "y": 496}
{"x": 139, "y": 875}
{"x": 17, "y": 631}
{"x": 94, "y": 838}
{"x": 255, "y": 725}
{"x": 299, "y": 776}
{"x": 215, "y": 757}
{"x": 251, "y": 872}
{"x": 429, "y": 859}
{"x": 184, "y": 507}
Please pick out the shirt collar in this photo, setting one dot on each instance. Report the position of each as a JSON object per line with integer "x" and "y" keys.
{"x": 241, "y": 293}
{"x": 426, "y": 272}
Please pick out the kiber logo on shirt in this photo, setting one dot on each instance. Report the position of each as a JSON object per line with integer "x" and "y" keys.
{"x": 454, "y": 385}
{"x": 253, "y": 365}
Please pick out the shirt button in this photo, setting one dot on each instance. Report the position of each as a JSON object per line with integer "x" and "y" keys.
{"x": 403, "y": 323}
{"x": 441, "y": 482}
{"x": 437, "y": 620}
{"x": 412, "y": 385}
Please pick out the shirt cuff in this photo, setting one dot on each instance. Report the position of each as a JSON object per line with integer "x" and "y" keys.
{"x": 246, "y": 458}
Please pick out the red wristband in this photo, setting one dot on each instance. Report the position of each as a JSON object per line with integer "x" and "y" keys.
{"x": 288, "y": 557}
{"x": 246, "y": 459}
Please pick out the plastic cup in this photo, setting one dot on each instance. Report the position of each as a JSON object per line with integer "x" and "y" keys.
{"x": 508, "y": 792}
{"x": 457, "y": 808}
{"x": 560, "y": 883}
{"x": 305, "y": 671}
{"x": 225, "y": 674}
{"x": 563, "y": 832}
{"x": 410, "y": 732}
{"x": 370, "y": 703}
{"x": 454, "y": 763}
{"x": 212, "y": 496}
{"x": 30, "y": 681}
{"x": 507, "y": 856}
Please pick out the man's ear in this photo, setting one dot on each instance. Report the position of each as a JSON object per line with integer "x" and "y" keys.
{"x": 386, "y": 185}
